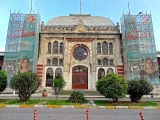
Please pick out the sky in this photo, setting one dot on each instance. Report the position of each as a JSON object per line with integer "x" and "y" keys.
{"x": 49, "y": 9}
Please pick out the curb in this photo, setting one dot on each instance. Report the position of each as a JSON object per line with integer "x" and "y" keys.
{"x": 78, "y": 106}
{"x": 26, "y": 106}
{"x": 135, "y": 107}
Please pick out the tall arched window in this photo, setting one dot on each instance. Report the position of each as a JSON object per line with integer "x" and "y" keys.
{"x": 55, "y": 47}
{"x": 48, "y": 62}
{"x": 101, "y": 73}
{"x": 54, "y": 61}
{"x": 111, "y": 62}
{"x": 49, "y": 77}
{"x": 104, "y": 48}
{"x": 61, "y": 48}
{"x": 105, "y": 61}
{"x": 99, "y": 48}
{"x": 49, "y": 47}
{"x": 110, "y": 48}
{"x": 58, "y": 72}
{"x": 98, "y": 62}
{"x": 61, "y": 62}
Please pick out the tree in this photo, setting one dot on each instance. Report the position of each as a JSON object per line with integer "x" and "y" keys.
{"x": 25, "y": 84}
{"x": 137, "y": 88}
{"x": 3, "y": 81}
{"x": 112, "y": 86}
{"x": 58, "y": 84}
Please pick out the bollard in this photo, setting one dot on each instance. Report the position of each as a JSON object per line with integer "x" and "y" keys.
{"x": 141, "y": 115}
{"x": 35, "y": 115}
{"x": 87, "y": 114}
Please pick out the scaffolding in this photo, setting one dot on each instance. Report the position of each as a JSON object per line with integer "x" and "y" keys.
{"x": 21, "y": 41}
{"x": 139, "y": 43}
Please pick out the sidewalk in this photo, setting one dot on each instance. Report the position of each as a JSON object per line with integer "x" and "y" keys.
{"x": 89, "y": 97}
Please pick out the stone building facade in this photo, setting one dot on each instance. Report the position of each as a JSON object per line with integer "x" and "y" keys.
{"x": 81, "y": 48}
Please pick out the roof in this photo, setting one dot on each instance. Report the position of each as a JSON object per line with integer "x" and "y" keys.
{"x": 73, "y": 20}
{"x": 1, "y": 53}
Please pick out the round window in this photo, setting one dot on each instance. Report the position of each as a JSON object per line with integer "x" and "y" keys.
{"x": 80, "y": 53}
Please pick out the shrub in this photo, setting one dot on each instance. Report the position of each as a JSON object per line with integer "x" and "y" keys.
{"x": 77, "y": 97}
{"x": 25, "y": 84}
{"x": 3, "y": 81}
{"x": 112, "y": 86}
{"x": 137, "y": 88}
{"x": 58, "y": 85}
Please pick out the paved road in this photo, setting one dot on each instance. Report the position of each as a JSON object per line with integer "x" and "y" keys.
{"x": 77, "y": 114}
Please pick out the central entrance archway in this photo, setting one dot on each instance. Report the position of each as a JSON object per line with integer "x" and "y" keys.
{"x": 79, "y": 77}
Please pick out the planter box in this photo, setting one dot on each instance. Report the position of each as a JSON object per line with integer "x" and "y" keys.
{"x": 44, "y": 94}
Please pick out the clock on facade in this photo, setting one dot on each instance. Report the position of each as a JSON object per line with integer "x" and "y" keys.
{"x": 80, "y": 53}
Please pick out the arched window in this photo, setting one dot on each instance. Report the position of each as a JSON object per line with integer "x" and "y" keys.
{"x": 61, "y": 48}
{"x": 54, "y": 61}
{"x": 105, "y": 61}
{"x": 99, "y": 48}
{"x": 55, "y": 47}
{"x": 61, "y": 62}
{"x": 101, "y": 73}
{"x": 110, "y": 70}
{"x": 111, "y": 62}
{"x": 98, "y": 62}
{"x": 105, "y": 48}
{"x": 48, "y": 62}
{"x": 58, "y": 72}
{"x": 49, "y": 77}
{"x": 49, "y": 47}
{"x": 110, "y": 48}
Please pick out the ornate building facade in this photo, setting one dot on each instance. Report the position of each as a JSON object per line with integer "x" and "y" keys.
{"x": 81, "y": 48}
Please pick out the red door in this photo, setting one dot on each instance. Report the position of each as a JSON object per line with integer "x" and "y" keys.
{"x": 80, "y": 77}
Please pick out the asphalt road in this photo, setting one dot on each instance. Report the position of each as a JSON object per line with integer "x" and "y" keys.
{"x": 77, "y": 114}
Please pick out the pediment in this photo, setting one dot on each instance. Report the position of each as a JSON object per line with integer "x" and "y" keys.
{"x": 80, "y": 26}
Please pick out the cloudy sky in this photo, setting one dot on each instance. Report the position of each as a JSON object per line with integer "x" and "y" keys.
{"x": 52, "y": 8}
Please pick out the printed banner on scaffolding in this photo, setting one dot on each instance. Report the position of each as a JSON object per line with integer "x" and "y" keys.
{"x": 21, "y": 50}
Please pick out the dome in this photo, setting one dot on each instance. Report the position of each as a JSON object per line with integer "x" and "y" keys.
{"x": 73, "y": 20}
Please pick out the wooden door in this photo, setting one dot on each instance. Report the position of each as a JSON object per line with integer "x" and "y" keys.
{"x": 79, "y": 77}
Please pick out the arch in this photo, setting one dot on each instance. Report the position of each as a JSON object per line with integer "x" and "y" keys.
{"x": 99, "y": 62}
{"x": 98, "y": 48}
{"x": 101, "y": 73}
{"x": 48, "y": 62}
{"x": 49, "y": 47}
{"x": 105, "y": 61}
{"x": 55, "y": 47}
{"x": 110, "y": 48}
{"x": 110, "y": 70}
{"x": 111, "y": 62}
{"x": 105, "y": 47}
{"x": 61, "y": 48}
{"x": 54, "y": 61}
{"x": 61, "y": 62}
{"x": 58, "y": 72}
{"x": 80, "y": 77}
{"x": 49, "y": 77}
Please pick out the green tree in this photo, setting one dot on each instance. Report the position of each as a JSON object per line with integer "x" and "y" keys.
{"x": 3, "y": 81}
{"x": 25, "y": 84}
{"x": 137, "y": 88}
{"x": 112, "y": 86}
{"x": 58, "y": 84}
